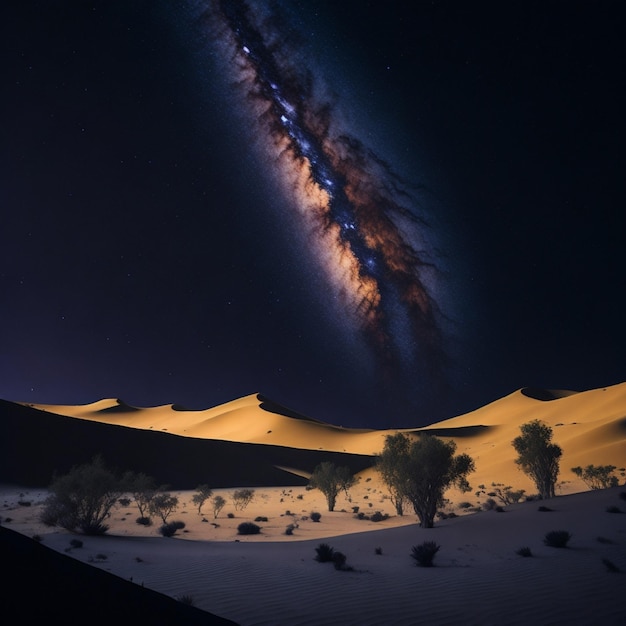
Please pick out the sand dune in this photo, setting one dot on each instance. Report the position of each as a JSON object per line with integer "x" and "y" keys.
{"x": 590, "y": 426}
{"x": 272, "y": 578}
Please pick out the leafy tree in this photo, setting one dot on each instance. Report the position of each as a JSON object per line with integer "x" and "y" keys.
{"x": 163, "y": 504}
{"x": 203, "y": 493}
{"x": 506, "y": 495}
{"x": 597, "y": 476}
{"x": 423, "y": 469}
{"x": 82, "y": 499}
{"x": 330, "y": 480}
{"x": 390, "y": 464}
{"x": 538, "y": 457}
{"x": 143, "y": 489}
{"x": 242, "y": 498}
{"x": 218, "y": 505}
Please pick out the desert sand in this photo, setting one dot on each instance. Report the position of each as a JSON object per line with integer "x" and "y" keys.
{"x": 273, "y": 578}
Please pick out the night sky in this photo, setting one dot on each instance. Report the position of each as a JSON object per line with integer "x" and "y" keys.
{"x": 151, "y": 248}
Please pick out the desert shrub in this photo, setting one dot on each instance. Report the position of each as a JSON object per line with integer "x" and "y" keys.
{"x": 490, "y": 504}
{"x": 24, "y": 502}
{"x": 604, "y": 540}
{"x": 289, "y": 530}
{"x": 613, "y": 509}
{"x": 315, "y": 516}
{"x": 230, "y": 515}
{"x": 163, "y": 504}
{"x": 499, "y": 509}
{"x": 324, "y": 553}
{"x": 378, "y": 517}
{"x": 525, "y": 551}
{"x": 610, "y": 566}
{"x": 355, "y": 509}
{"x": 557, "y": 538}
{"x": 506, "y": 494}
{"x": 83, "y": 498}
{"x": 597, "y": 476}
{"x": 544, "y": 509}
{"x": 260, "y": 518}
{"x": 185, "y": 599}
{"x": 424, "y": 553}
{"x": 144, "y": 521}
{"x": 465, "y": 505}
{"x": 242, "y": 498}
{"x": 339, "y": 560}
{"x": 169, "y": 529}
{"x": 76, "y": 543}
{"x": 124, "y": 501}
{"x": 378, "y": 550}
{"x": 248, "y": 528}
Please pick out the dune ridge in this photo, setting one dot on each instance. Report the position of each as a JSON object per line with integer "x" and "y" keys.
{"x": 588, "y": 425}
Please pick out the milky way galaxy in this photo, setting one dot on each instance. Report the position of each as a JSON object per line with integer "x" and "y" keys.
{"x": 362, "y": 221}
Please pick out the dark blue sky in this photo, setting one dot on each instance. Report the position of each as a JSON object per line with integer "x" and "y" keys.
{"x": 142, "y": 255}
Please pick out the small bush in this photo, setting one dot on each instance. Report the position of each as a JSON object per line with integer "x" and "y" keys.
{"x": 610, "y": 566}
{"x": 260, "y": 518}
{"x": 424, "y": 554}
{"x": 324, "y": 553}
{"x": 185, "y": 599}
{"x": 465, "y": 505}
{"x": 230, "y": 516}
{"x": 557, "y": 538}
{"x": 315, "y": 516}
{"x": 524, "y": 552}
{"x": 378, "y": 551}
{"x": 124, "y": 501}
{"x": 76, "y": 543}
{"x": 613, "y": 509}
{"x": 289, "y": 530}
{"x": 169, "y": 529}
{"x": 248, "y": 528}
{"x": 378, "y": 517}
{"x": 24, "y": 502}
{"x": 144, "y": 521}
{"x": 339, "y": 560}
{"x": 490, "y": 504}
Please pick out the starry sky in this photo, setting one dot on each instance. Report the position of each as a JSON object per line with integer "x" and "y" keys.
{"x": 153, "y": 247}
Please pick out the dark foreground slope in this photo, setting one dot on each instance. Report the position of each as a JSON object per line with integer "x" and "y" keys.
{"x": 42, "y": 586}
{"x": 35, "y": 444}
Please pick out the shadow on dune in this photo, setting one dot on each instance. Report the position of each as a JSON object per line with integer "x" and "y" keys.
{"x": 546, "y": 395}
{"x": 35, "y": 444}
{"x": 44, "y": 586}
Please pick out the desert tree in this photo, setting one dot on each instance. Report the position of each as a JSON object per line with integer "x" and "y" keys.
{"x": 143, "y": 488}
{"x": 597, "y": 476}
{"x": 425, "y": 468}
{"x": 538, "y": 457}
{"x": 390, "y": 464}
{"x": 330, "y": 479}
{"x": 82, "y": 499}
{"x": 242, "y": 498}
{"x": 218, "y": 504}
{"x": 163, "y": 504}
{"x": 203, "y": 493}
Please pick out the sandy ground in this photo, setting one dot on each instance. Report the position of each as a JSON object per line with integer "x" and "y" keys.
{"x": 274, "y": 579}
